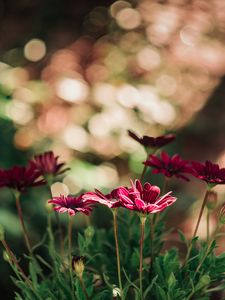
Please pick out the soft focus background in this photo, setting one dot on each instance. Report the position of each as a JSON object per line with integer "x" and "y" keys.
{"x": 74, "y": 76}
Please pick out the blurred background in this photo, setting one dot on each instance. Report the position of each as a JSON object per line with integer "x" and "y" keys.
{"x": 75, "y": 76}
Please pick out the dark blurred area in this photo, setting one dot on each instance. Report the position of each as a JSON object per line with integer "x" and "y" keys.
{"x": 75, "y": 75}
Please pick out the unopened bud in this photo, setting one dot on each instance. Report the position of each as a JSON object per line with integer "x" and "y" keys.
{"x": 89, "y": 232}
{"x": 211, "y": 200}
{"x": 222, "y": 215}
{"x": 48, "y": 207}
{"x": 78, "y": 265}
{"x": 2, "y": 233}
{"x": 6, "y": 256}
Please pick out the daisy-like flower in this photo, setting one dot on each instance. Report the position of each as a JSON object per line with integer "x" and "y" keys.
{"x": 110, "y": 200}
{"x": 211, "y": 173}
{"x": 71, "y": 205}
{"x": 169, "y": 166}
{"x": 151, "y": 142}
{"x": 20, "y": 178}
{"x": 47, "y": 163}
{"x": 144, "y": 199}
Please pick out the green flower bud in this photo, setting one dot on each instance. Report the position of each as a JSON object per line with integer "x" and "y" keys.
{"x": 6, "y": 256}
{"x": 2, "y": 233}
{"x": 89, "y": 232}
{"x": 48, "y": 207}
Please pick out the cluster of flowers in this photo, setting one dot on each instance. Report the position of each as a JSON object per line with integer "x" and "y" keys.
{"x": 44, "y": 168}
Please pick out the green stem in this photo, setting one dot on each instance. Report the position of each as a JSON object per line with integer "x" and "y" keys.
{"x": 70, "y": 226}
{"x": 20, "y": 215}
{"x": 200, "y": 214}
{"x": 15, "y": 262}
{"x": 208, "y": 225}
{"x": 142, "y": 232}
{"x": 83, "y": 287}
{"x": 115, "y": 227}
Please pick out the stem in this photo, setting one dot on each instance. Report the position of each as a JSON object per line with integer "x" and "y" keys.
{"x": 143, "y": 172}
{"x": 61, "y": 237}
{"x": 208, "y": 224}
{"x": 14, "y": 260}
{"x": 196, "y": 228}
{"x": 20, "y": 215}
{"x": 115, "y": 227}
{"x": 70, "y": 225}
{"x": 83, "y": 287}
{"x": 142, "y": 231}
{"x": 200, "y": 213}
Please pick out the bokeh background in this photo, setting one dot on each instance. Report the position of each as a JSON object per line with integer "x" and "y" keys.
{"x": 75, "y": 75}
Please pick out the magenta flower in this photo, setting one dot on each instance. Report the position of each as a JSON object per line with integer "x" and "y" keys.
{"x": 110, "y": 200}
{"x": 21, "y": 178}
{"x": 151, "y": 142}
{"x": 169, "y": 166}
{"x": 47, "y": 164}
{"x": 144, "y": 199}
{"x": 71, "y": 205}
{"x": 208, "y": 172}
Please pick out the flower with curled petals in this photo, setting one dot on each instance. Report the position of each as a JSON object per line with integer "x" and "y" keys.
{"x": 151, "y": 142}
{"x": 209, "y": 172}
{"x": 47, "y": 164}
{"x": 71, "y": 205}
{"x": 169, "y": 166}
{"x": 110, "y": 200}
{"x": 144, "y": 199}
{"x": 20, "y": 178}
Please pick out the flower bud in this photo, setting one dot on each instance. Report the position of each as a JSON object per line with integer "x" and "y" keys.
{"x": 2, "y": 233}
{"x": 89, "y": 232}
{"x": 211, "y": 200}
{"x": 222, "y": 215}
{"x": 6, "y": 256}
{"x": 48, "y": 207}
{"x": 78, "y": 265}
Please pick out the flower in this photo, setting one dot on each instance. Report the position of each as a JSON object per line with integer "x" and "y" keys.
{"x": 151, "y": 142}
{"x": 169, "y": 166}
{"x": 21, "y": 178}
{"x": 71, "y": 204}
{"x": 110, "y": 200}
{"x": 144, "y": 199}
{"x": 208, "y": 172}
{"x": 47, "y": 164}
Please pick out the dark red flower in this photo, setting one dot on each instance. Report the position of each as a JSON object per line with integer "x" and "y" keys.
{"x": 151, "y": 142}
{"x": 47, "y": 164}
{"x": 110, "y": 200}
{"x": 144, "y": 199}
{"x": 169, "y": 166}
{"x": 21, "y": 178}
{"x": 71, "y": 205}
{"x": 209, "y": 172}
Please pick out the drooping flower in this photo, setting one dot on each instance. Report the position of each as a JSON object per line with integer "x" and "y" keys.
{"x": 110, "y": 200}
{"x": 20, "y": 178}
{"x": 151, "y": 142}
{"x": 209, "y": 172}
{"x": 169, "y": 166}
{"x": 47, "y": 163}
{"x": 71, "y": 205}
{"x": 144, "y": 199}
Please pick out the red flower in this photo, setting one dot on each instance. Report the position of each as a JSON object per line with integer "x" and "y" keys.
{"x": 151, "y": 142}
{"x": 48, "y": 164}
{"x": 169, "y": 166}
{"x": 71, "y": 205}
{"x": 110, "y": 200}
{"x": 144, "y": 199}
{"x": 209, "y": 172}
{"x": 20, "y": 178}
